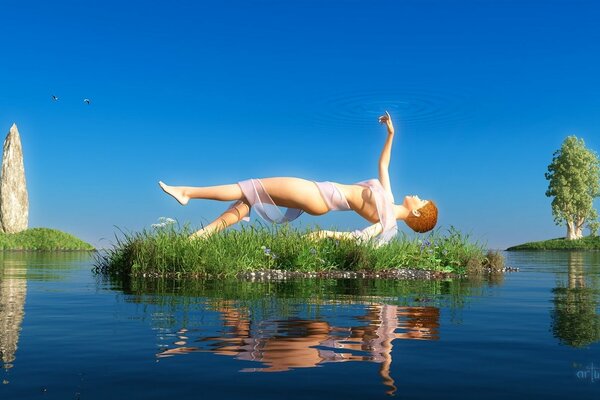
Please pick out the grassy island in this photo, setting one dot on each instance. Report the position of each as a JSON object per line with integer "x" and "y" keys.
{"x": 168, "y": 252}
{"x": 42, "y": 239}
{"x": 585, "y": 243}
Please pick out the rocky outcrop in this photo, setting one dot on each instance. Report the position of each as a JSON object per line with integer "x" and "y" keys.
{"x": 14, "y": 202}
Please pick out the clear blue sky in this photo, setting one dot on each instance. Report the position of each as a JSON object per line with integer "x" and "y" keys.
{"x": 211, "y": 92}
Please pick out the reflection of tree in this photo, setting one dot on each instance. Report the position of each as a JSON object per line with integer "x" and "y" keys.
{"x": 13, "y": 288}
{"x": 574, "y": 318}
{"x": 281, "y": 345}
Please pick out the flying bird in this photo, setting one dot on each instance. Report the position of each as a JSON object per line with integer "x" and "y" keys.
{"x": 54, "y": 98}
{"x": 87, "y": 101}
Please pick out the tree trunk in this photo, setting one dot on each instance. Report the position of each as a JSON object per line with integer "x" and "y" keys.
{"x": 579, "y": 228}
{"x": 574, "y": 231}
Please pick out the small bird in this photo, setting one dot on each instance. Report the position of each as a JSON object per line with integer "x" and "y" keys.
{"x": 87, "y": 101}
{"x": 54, "y": 98}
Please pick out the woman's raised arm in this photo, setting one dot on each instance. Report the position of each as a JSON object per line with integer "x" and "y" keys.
{"x": 384, "y": 160}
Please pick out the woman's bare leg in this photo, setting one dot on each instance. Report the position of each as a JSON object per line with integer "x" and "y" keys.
{"x": 285, "y": 192}
{"x": 232, "y": 216}
{"x": 183, "y": 194}
{"x": 296, "y": 193}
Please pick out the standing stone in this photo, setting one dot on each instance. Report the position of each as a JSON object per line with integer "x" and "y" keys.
{"x": 14, "y": 202}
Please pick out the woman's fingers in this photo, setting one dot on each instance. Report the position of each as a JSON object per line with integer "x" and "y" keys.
{"x": 386, "y": 117}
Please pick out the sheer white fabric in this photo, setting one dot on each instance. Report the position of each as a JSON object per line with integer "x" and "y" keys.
{"x": 263, "y": 204}
{"x": 385, "y": 210}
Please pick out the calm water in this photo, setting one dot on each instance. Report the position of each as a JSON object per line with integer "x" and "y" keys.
{"x": 68, "y": 334}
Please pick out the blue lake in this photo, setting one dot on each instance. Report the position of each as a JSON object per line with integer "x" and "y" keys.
{"x": 66, "y": 333}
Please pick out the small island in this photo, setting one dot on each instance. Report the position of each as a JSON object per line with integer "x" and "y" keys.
{"x": 573, "y": 183}
{"x": 284, "y": 252}
{"x": 42, "y": 239}
{"x": 14, "y": 208}
{"x": 585, "y": 243}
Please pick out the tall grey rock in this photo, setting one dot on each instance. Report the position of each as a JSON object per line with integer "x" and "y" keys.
{"x": 14, "y": 202}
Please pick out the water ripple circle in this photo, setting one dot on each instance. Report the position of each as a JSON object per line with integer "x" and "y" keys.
{"x": 409, "y": 107}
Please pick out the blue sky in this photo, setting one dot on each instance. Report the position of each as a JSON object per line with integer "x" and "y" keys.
{"x": 212, "y": 92}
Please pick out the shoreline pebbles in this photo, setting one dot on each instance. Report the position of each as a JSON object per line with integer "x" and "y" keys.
{"x": 404, "y": 274}
{"x": 282, "y": 275}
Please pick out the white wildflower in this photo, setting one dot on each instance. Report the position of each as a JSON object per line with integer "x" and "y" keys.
{"x": 163, "y": 221}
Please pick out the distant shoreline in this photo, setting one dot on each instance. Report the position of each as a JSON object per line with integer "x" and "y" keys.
{"x": 585, "y": 243}
{"x": 42, "y": 239}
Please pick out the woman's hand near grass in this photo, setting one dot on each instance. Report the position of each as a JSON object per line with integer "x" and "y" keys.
{"x": 328, "y": 234}
{"x": 316, "y": 235}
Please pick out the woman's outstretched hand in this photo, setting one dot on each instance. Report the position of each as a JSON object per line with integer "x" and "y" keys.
{"x": 387, "y": 120}
{"x": 316, "y": 235}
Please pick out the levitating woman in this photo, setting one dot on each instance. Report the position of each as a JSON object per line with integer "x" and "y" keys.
{"x": 372, "y": 200}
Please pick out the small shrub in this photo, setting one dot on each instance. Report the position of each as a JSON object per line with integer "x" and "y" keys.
{"x": 494, "y": 260}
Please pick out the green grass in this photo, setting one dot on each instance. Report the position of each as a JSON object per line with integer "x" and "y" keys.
{"x": 585, "y": 243}
{"x": 42, "y": 239}
{"x": 167, "y": 251}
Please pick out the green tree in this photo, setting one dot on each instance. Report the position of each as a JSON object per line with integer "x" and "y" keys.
{"x": 574, "y": 182}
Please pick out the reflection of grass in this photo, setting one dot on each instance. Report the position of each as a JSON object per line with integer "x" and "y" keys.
{"x": 43, "y": 239}
{"x": 168, "y": 251}
{"x": 585, "y": 243}
{"x": 176, "y": 296}
{"x": 44, "y": 265}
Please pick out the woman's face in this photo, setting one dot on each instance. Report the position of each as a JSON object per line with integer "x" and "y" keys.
{"x": 413, "y": 202}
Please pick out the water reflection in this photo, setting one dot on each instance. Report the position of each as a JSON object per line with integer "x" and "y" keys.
{"x": 294, "y": 324}
{"x": 13, "y": 290}
{"x": 281, "y": 345}
{"x": 16, "y": 268}
{"x": 575, "y": 321}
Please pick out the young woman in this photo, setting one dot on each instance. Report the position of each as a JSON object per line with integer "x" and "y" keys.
{"x": 371, "y": 199}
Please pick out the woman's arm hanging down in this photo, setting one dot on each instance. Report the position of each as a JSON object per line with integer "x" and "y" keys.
{"x": 366, "y": 234}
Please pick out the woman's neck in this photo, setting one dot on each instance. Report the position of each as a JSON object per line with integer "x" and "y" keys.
{"x": 400, "y": 212}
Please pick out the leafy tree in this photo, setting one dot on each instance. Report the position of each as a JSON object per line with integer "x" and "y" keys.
{"x": 574, "y": 181}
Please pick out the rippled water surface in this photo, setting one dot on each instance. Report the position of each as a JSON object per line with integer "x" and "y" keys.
{"x": 413, "y": 107}
{"x": 68, "y": 334}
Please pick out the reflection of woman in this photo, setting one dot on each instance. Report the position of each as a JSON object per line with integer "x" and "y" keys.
{"x": 372, "y": 200}
{"x": 282, "y": 345}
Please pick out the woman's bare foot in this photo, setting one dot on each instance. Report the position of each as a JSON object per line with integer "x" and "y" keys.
{"x": 176, "y": 192}
{"x": 201, "y": 234}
